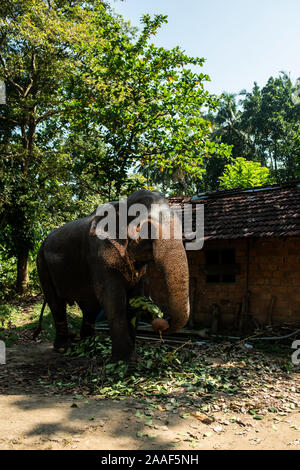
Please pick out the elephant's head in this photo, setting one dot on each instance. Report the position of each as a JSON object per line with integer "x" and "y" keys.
{"x": 148, "y": 239}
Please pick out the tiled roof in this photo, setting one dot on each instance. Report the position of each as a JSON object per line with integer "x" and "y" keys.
{"x": 272, "y": 211}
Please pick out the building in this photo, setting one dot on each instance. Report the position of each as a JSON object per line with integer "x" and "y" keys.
{"x": 248, "y": 272}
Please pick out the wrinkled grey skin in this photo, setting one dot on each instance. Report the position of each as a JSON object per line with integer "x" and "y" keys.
{"x": 75, "y": 265}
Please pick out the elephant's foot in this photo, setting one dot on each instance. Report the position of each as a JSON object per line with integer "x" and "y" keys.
{"x": 63, "y": 337}
{"x": 61, "y": 344}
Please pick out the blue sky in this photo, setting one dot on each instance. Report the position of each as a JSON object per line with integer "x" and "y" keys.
{"x": 242, "y": 40}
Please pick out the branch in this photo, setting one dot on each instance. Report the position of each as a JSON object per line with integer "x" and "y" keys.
{"x": 28, "y": 88}
{"x": 33, "y": 69}
{"x": 9, "y": 120}
{"x": 47, "y": 114}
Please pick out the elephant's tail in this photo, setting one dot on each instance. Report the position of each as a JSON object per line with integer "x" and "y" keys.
{"x": 39, "y": 326}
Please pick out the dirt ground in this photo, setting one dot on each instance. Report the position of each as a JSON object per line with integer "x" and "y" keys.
{"x": 34, "y": 417}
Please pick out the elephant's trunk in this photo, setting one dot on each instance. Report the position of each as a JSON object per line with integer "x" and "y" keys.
{"x": 170, "y": 258}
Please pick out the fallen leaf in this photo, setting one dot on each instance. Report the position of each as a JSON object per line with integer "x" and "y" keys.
{"x": 203, "y": 418}
{"x": 149, "y": 422}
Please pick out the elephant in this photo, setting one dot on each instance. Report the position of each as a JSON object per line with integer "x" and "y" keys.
{"x": 76, "y": 265}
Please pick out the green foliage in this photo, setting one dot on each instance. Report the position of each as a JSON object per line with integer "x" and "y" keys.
{"x": 263, "y": 125}
{"x": 227, "y": 125}
{"x": 8, "y": 271}
{"x": 18, "y": 323}
{"x": 8, "y": 266}
{"x": 242, "y": 173}
{"x": 37, "y": 40}
{"x": 145, "y": 102}
{"x": 272, "y": 116}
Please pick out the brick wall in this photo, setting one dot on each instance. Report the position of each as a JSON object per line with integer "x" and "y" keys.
{"x": 274, "y": 271}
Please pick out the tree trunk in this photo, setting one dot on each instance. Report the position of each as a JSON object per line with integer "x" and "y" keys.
{"x": 22, "y": 272}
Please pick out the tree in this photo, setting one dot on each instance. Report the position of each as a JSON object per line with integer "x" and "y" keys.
{"x": 271, "y": 116}
{"x": 227, "y": 125}
{"x": 145, "y": 104}
{"x": 263, "y": 125}
{"x": 38, "y": 52}
{"x": 228, "y": 128}
{"x": 242, "y": 173}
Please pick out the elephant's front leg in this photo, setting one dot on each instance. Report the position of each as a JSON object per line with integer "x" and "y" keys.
{"x": 121, "y": 330}
{"x": 90, "y": 309}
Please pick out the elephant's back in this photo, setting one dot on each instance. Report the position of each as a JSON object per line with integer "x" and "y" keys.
{"x": 73, "y": 231}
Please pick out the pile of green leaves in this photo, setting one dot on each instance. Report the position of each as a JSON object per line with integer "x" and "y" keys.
{"x": 164, "y": 370}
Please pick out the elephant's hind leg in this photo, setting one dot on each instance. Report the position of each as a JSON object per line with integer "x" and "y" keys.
{"x": 62, "y": 338}
{"x": 56, "y": 304}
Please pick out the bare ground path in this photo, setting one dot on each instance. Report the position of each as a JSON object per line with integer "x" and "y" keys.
{"x": 33, "y": 416}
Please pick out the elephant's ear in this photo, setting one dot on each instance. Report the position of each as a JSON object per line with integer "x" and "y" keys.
{"x": 94, "y": 224}
{"x": 105, "y": 221}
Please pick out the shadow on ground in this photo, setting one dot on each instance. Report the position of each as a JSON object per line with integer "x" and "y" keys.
{"x": 47, "y": 401}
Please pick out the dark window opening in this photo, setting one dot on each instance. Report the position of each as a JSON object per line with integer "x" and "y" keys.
{"x": 212, "y": 278}
{"x": 228, "y": 278}
{"x": 228, "y": 256}
{"x": 212, "y": 257}
{"x": 220, "y": 266}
